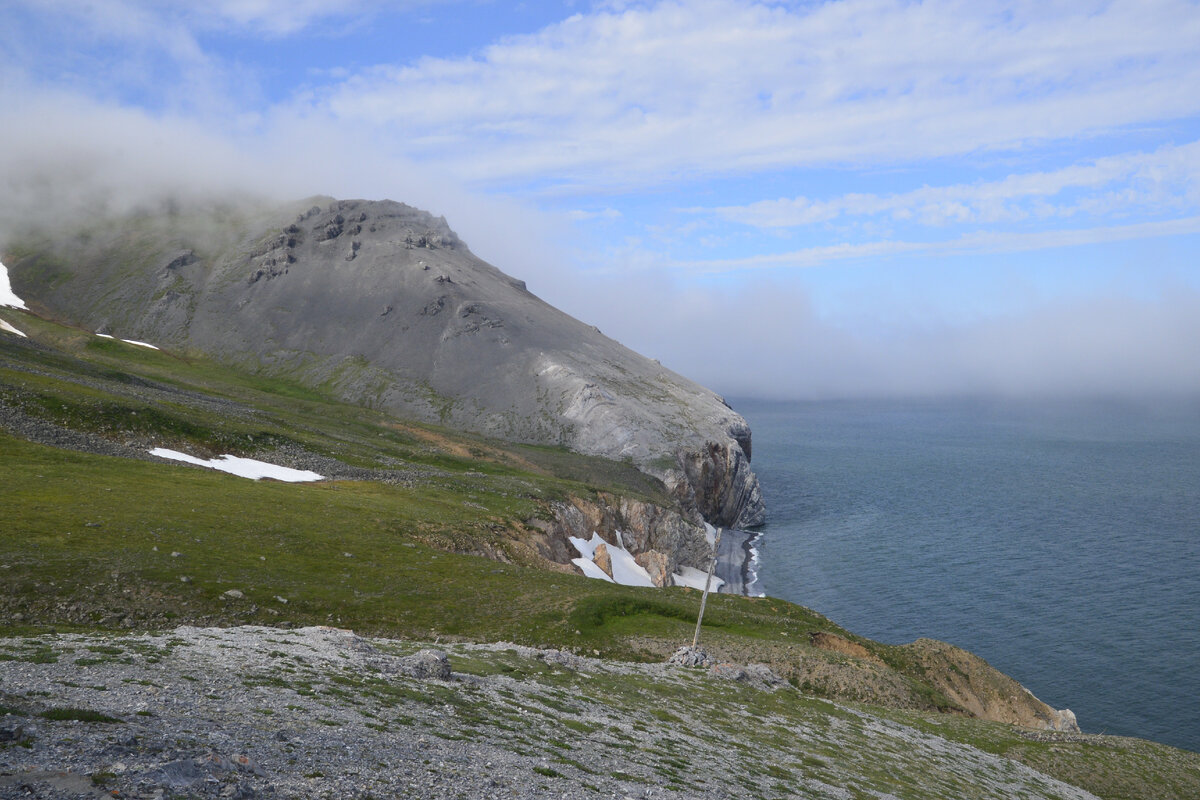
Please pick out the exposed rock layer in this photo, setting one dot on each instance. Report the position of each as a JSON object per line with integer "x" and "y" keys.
{"x": 382, "y": 304}
{"x": 660, "y": 539}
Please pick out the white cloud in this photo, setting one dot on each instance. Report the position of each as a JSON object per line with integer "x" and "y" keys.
{"x": 719, "y": 86}
{"x": 65, "y": 157}
{"x": 774, "y": 343}
{"x": 976, "y": 243}
{"x": 655, "y": 94}
{"x": 1168, "y": 178}
{"x": 277, "y": 17}
{"x": 580, "y": 215}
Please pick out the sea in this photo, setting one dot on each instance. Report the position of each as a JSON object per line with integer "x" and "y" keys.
{"x": 1059, "y": 540}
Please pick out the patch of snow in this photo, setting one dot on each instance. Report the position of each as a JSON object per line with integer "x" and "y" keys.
{"x": 587, "y": 549}
{"x": 127, "y": 341}
{"x": 242, "y": 467}
{"x": 7, "y": 296}
{"x": 710, "y": 533}
{"x": 4, "y": 326}
{"x": 695, "y": 578}
{"x": 626, "y": 571}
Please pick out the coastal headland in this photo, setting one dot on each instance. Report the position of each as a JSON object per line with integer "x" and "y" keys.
{"x": 126, "y": 559}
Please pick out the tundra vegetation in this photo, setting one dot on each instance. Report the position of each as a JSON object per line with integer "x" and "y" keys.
{"x": 421, "y": 534}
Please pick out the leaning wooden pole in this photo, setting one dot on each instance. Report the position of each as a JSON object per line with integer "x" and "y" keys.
{"x": 712, "y": 565}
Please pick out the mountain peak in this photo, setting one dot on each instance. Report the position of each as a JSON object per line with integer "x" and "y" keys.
{"x": 382, "y": 304}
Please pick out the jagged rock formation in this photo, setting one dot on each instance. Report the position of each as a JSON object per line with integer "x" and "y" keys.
{"x": 660, "y": 539}
{"x": 382, "y": 304}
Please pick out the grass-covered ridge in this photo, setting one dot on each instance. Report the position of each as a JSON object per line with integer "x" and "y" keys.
{"x": 105, "y": 542}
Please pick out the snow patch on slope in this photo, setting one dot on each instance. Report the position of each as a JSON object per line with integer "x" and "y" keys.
{"x": 242, "y": 467}
{"x": 4, "y": 326}
{"x": 626, "y": 571}
{"x": 127, "y": 341}
{"x": 7, "y": 296}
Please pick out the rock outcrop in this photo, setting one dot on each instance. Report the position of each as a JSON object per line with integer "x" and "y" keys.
{"x": 982, "y": 690}
{"x": 382, "y": 304}
{"x": 660, "y": 539}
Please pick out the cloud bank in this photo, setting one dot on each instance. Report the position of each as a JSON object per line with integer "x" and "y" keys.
{"x": 734, "y": 187}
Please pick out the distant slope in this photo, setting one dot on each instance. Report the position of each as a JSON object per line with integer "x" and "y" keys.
{"x": 382, "y": 304}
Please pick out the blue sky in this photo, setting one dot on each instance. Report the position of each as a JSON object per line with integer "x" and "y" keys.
{"x": 805, "y": 199}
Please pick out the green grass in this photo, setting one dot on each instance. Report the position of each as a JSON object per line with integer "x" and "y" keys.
{"x": 87, "y": 543}
{"x": 78, "y": 714}
{"x": 82, "y": 529}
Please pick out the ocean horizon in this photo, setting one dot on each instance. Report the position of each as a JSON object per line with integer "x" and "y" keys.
{"x": 1059, "y": 540}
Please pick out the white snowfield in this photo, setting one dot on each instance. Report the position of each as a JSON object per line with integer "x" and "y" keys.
{"x": 625, "y": 570}
{"x": 695, "y": 578}
{"x": 7, "y": 296}
{"x": 242, "y": 467}
{"x": 4, "y": 326}
{"x": 127, "y": 341}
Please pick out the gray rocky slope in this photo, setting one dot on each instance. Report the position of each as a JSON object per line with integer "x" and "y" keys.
{"x": 382, "y": 304}
{"x": 319, "y": 712}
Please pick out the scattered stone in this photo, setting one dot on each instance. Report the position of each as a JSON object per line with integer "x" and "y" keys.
{"x": 224, "y": 718}
{"x": 689, "y": 656}
{"x": 232, "y": 594}
{"x": 563, "y": 659}
{"x": 425, "y": 665}
{"x": 13, "y": 734}
{"x": 759, "y": 674}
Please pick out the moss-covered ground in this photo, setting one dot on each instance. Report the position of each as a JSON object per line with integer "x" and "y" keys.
{"x": 99, "y": 542}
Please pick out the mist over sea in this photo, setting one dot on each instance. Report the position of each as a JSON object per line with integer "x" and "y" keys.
{"x": 1059, "y": 540}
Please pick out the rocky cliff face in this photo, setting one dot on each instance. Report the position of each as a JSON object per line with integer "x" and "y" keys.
{"x": 382, "y": 304}
{"x": 661, "y": 540}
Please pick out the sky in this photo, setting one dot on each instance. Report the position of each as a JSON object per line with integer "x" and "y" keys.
{"x": 776, "y": 199}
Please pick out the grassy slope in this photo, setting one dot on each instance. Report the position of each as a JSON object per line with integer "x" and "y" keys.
{"x": 90, "y": 541}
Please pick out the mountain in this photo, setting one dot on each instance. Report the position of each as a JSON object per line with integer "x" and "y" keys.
{"x": 381, "y": 304}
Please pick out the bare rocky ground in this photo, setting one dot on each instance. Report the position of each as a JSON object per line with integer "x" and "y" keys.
{"x": 320, "y": 712}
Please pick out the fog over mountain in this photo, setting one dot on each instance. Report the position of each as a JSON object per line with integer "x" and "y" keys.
{"x": 918, "y": 221}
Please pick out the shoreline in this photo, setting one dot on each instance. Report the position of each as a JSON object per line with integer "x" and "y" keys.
{"x": 738, "y": 563}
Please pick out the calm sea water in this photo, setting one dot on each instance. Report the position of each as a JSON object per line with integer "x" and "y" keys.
{"x": 1059, "y": 541}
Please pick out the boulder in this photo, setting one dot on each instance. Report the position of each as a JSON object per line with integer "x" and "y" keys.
{"x": 660, "y": 567}
{"x": 425, "y": 665}
{"x": 602, "y": 559}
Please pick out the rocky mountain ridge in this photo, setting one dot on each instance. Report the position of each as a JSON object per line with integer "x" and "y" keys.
{"x": 383, "y": 305}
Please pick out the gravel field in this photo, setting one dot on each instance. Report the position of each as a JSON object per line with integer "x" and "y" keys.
{"x": 321, "y": 712}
